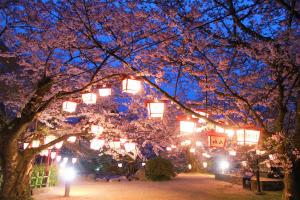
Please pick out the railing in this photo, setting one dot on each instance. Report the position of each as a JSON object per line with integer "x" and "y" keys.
{"x": 40, "y": 179}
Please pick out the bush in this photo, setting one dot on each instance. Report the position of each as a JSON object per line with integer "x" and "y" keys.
{"x": 159, "y": 169}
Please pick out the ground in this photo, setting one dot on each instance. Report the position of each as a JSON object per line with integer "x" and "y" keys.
{"x": 183, "y": 187}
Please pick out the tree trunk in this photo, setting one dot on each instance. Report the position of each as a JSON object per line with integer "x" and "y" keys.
{"x": 287, "y": 192}
{"x": 16, "y": 168}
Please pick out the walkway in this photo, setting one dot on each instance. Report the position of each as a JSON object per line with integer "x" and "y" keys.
{"x": 183, "y": 187}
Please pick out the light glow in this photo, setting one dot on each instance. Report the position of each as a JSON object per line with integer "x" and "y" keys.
{"x": 120, "y": 165}
{"x": 187, "y": 127}
{"x": 131, "y": 86}
{"x": 74, "y": 160}
{"x": 72, "y": 139}
{"x": 35, "y": 143}
{"x": 156, "y": 109}
{"x": 53, "y": 155}
{"x": 68, "y": 173}
{"x": 97, "y": 130}
{"x": 204, "y": 164}
{"x": 169, "y": 149}
{"x": 59, "y": 144}
{"x": 129, "y": 147}
{"x": 104, "y": 92}
{"x": 89, "y": 98}
{"x": 247, "y": 137}
{"x": 96, "y": 144}
{"x": 69, "y": 106}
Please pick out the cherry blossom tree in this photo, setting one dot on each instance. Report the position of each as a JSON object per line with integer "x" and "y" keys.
{"x": 238, "y": 57}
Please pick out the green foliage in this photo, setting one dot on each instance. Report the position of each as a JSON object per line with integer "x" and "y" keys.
{"x": 159, "y": 169}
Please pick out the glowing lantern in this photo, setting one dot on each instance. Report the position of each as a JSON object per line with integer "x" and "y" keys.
{"x": 219, "y": 129}
{"x": 189, "y": 166}
{"x": 71, "y": 139}
{"x": 192, "y": 150}
{"x": 169, "y": 149}
{"x": 97, "y": 130}
{"x": 35, "y": 143}
{"x": 259, "y": 152}
{"x": 131, "y": 86}
{"x": 59, "y": 145}
{"x": 96, "y": 144}
{"x": 44, "y": 153}
{"x": 48, "y": 139}
{"x": 143, "y": 164}
{"x": 247, "y": 136}
{"x": 58, "y": 158}
{"x": 89, "y": 98}
{"x": 186, "y": 142}
{"x": 232, "y": 152}
{"x": 69, "y": 106}
{"x": 129, "y": 147}
{"x": 115, "y": 144}
{"x": 206, "y": 155}
{"x": 204, "y": 164}
{"x": 74, "y": 160}
{"x": 187, "y": 126}
{"x": 155, "y": 109}
{"x": 104, "y": 92}
{"x": 198, "y": 143}
{"x": 123, "y": 140}
{"x": 25, "y": 145}
{"x": 229, "y": 132}
{"x": 120, "y": 165}
{"x": 65, "y": 159}
{"x": 52, "y": 155}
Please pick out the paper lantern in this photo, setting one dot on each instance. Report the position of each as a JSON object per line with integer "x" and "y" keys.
{"x": 59, "y": 145}
{"x": 204, "y": 164}
{"x": 131, "y": 86}
{"x": 186, "y": 142}
{"x": 129, "y": 147}
{"x": 44, "y": 153}
{"x": 169, "y": 149}
{"x": 187, "y": 126}
{"x": 69, "y": 106}
{"x": 206, "y": 155}
{"x": 247, "y": 136}
{"x": 74, "y": 160}
{"x": 198, "y": 143}
{"x": 143, "y": 164}
{"x": 35, "y": 143}
{"x": 115, "y": 144}
{"x": 71, "y": 139}
{"x": 189, "y": 166}
{"x": 156, "y": 109}
{"x": 192, "y": 150}
{"x": 53, "y": 155}
{"x": 229, "y": 132}
{"x": 97, "y": 130}
{"x": 89, "y": 98}
{"x": 65, "y": 159}
{"x": 58, "y": 158}
{"x": 25, "y": 145}
{"x": 48, "y": 139}
{"x": 232, "y": 152}
{"x": 120, "y": 165}
{"x": 123, "y": 140}
{"x": 104, "y": 92}
{"x": 96, "y": 144}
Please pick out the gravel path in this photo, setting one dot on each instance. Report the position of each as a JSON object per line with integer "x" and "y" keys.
{"x": 183, "y": 187}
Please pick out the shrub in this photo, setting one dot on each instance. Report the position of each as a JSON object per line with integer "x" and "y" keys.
{"x": 159, "y": 169}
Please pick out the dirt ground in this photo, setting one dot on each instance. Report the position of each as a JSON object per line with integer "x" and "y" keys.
{"x": 183, "y": 187}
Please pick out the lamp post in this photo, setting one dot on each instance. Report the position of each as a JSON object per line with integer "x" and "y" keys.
{"x": 68, "y": 174}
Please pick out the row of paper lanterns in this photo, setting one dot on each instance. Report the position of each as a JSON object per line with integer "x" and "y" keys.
{"x": 97, "y": 144}
{"x": 129, "y": 85}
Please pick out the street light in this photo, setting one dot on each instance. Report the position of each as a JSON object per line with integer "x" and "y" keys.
{"x": 68, "y": 174}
